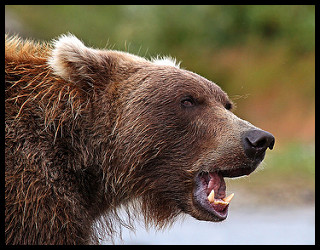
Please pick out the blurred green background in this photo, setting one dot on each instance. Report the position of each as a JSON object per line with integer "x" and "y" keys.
{"x": 262, "y": 56}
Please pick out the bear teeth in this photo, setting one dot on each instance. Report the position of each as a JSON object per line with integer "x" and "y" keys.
{"x": 224, "y": 201}
{"x": 211, "y": 196}
{"x": 229, "y": 198}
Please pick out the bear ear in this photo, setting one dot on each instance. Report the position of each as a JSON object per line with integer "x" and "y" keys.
{"x": 73, "y": 61}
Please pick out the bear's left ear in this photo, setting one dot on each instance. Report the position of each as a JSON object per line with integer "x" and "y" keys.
{"x": 73, "y": 61}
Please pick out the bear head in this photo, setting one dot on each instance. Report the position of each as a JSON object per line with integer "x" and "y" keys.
{"x": 169, "y": 136}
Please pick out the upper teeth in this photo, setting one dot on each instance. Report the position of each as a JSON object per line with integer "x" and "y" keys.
{"x": 224, "y": 201}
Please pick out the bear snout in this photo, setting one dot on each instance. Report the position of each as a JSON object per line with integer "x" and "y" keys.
{"x": 255, "y": 142}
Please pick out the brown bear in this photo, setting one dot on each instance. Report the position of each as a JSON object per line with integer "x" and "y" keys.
{"x": 88, "y": 131}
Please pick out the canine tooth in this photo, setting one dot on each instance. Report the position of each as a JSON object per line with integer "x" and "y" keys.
{"x": 229, "y": 198}
{"x": 211, "y": 196}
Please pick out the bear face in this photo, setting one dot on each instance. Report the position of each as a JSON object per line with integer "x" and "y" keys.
{"x": 101, "y": 128}
{"x": 193, "y": 134}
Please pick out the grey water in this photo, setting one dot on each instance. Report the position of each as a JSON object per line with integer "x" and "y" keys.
{"x": 256, "y": 225}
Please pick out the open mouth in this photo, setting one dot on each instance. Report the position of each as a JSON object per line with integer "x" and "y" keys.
{"x": 210, "y": 193}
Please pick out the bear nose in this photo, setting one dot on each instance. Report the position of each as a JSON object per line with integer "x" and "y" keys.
{"x": 255, "y": 143}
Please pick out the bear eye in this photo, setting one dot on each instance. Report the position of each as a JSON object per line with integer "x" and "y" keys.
{"x": 228, "y": 106}
{"x": 187, "y": 102}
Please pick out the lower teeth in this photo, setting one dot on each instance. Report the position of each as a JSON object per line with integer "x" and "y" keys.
{"x": 224, "y": 201}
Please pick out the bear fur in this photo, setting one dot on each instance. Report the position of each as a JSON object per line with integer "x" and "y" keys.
{"x": 88, "y": 131}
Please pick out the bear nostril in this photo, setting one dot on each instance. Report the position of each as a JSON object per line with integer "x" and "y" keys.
{"x": 256, "y": 142}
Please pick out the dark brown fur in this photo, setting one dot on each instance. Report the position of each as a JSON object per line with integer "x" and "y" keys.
{"x": 112, "y": 131}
